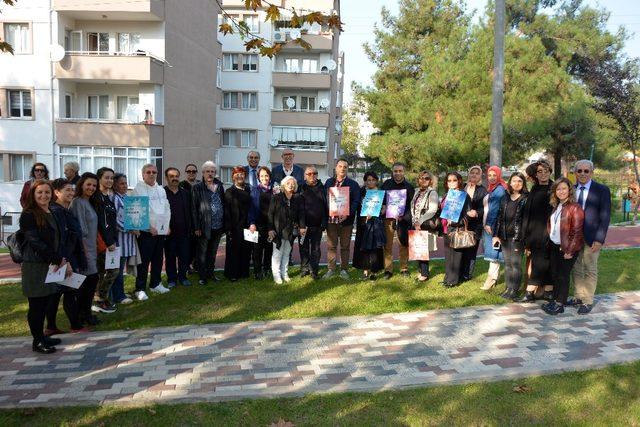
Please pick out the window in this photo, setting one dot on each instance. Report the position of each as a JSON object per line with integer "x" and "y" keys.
{"x": 219, "y": 73}
{"x": 253, "y": 23}
{"x": 17, "y": 35}
{"x": 68, "y": 107}
{"x": 250, "y": 62}
{"x": 229, "y": 138}
{"x": 307, "y": 103}
{"x": 128, "y": 42}
{"x": 286, "y": 102}
{"x": 309, "y": 65}
{"x": 98, "y": 42}
{"x": 67, "y": 40}
{"x": 228, "y": 19}
{"x": 249, "y": 101}
{"x": 19, "y": 166}
{"x": 76, "y": 41}
{"x": 239, "y": 100}
{"x": 248, "y": 138}
{"x": 226, "y": 173}
{"x": 20, "y": 104}
{"x": 231, "y": 61}
{"x": 300, "y": 136}
{"x": 123, "y": 103}
{"x": 98, "y": 107}
{"x": 291, "y": 65}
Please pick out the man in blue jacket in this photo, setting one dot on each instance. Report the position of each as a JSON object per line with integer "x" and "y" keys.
{"x": 595, "y": 199}
{"x": 287, "y": 168}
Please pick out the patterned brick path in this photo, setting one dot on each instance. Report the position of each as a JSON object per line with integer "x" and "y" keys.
{"x": 294, "y": 357}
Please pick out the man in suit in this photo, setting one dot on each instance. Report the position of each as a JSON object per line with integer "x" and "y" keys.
{"x": 253, "y": 160}
{"x": 595, "y": 199}
{"x": 288, "y": 168}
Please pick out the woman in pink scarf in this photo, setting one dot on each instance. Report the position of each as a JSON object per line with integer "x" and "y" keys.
{"x": 497, "y": 189}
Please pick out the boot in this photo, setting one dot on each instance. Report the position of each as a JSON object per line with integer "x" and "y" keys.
{"x": 488, "y": 284}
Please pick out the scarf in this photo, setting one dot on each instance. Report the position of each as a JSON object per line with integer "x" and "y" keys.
{"x": 500, "y": 181}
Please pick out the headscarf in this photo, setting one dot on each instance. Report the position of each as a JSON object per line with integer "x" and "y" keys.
{"x": 500, "y": 181}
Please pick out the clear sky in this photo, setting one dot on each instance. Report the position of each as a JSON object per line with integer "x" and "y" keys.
{"x": 360, "y": 16}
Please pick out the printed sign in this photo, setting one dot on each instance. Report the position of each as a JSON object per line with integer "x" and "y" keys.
{"x": 136, "y": 213}
{"x": 396, "y": 202}
{"x": 372, "y": 203}
{"x": 453, "y": 205}
{"x": 112, "y": 259}
{"x": 162, "y": 222}
{"x": 338, "y": 201}
{"x": 418, "y": 245}
{"x": 251, "y": 236}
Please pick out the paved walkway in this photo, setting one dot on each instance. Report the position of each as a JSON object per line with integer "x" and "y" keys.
{"x": 295, "y": 357}
{"x": 617, "y": 238}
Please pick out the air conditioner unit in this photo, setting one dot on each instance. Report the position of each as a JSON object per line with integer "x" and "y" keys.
{"x": 280, "y": 37}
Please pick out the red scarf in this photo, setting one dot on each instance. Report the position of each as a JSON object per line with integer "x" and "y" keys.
{"x": 500, "y": 181}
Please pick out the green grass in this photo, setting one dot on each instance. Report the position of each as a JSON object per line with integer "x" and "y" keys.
{"x": 263, "y": 300}
{"x": 603, "y": 397}
{"x": 4, "y": 250}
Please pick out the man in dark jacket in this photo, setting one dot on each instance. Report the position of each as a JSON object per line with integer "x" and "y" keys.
{"x": 399, "y": 224}
{"x": 176, "y": 244}
{"x": 207, "y": 213}
{"x": 315, "y": 212}
{"x": 595, "y": 199}
{"x": 253, "y": 160}
{"x": 339, "y": 228}
{"x": 288, "y": 168}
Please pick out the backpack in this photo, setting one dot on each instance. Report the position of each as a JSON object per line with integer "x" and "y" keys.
{"x": 15, "y": 243}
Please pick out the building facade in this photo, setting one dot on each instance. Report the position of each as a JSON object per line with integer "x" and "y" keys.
{"x": 290, "y": 101}
{"x": 131, "y": 83}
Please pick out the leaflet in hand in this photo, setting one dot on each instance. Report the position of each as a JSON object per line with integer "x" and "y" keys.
{"x": 74, "y": 281}
{"x": 250, "y": 236}
{"x": 55, "y": 276}
{"x": 112, "y": 259}
{"x": 162, "y": 223}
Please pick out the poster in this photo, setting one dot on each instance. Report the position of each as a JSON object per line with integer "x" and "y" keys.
{"x": 396, "y": 202}
{"x": 372, "y": 203}
{"x": 136, "y": 213}
{"x": 453, "y": 205}
{"x": 112, "y": 259}
{"x": 419, "y": 245}
{"x": 338, "y": 201}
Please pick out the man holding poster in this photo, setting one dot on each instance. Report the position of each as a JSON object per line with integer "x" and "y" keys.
{"x": 397, "y": 209}
{"x": 343, "y": 197}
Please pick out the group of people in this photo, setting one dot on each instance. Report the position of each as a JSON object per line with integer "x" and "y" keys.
{"x": 77, "y": 220}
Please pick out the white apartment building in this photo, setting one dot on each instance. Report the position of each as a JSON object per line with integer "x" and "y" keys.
{"x": 291, "y": 101}
{"x": 131, "y": 82}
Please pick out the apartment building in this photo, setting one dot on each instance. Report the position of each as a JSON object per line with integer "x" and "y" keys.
{"x": 131, "y": 82}
{"x": 291, "y": 101}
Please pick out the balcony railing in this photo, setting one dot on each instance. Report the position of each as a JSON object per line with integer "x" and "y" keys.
{"x": 302, "y": 145}
{"x": 111, "y": 66}
{"x": 111, "y": 133}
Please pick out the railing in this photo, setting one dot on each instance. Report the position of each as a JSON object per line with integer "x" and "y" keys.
{"x": 109, "y": 121}
{"x": 294, "y": 110}
{"x": 111, "y": 53}
{"x": 282, "y": 70}
{"x": 310, "y": 146}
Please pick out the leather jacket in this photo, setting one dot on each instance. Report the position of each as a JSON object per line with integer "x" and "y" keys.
{"x": 571, "y": 228}
{"x": 500, "y": 230}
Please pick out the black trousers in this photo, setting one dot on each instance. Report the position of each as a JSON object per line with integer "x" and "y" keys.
{"x": 512, "y": 252}
{"x": 85, "y": 297}
{"x": 262, "y": 252}
{"x": 69, "y": 304}
{"x": 561, "y": 272}
{"x": 176, "y": 249}
{"x": 452, "y": 263}
{"x": 207, "y": 251}
{"x": 150, "y": 253}
{"x": 469, "y": 259}
{"x": 310, "y": 250}
{"x": 424, "y": 268}
{"x": 35, "y": 317}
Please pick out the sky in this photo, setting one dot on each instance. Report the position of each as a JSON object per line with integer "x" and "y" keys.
{"x": 360, "y": 16}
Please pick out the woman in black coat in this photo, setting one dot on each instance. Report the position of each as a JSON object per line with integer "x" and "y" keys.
{"x": 237, "y": 202}
{"x": 259, "y": 219}
{"x": 41, "y": 248}
{"x": 477, "y": 193}
{"x": 368, "y": 248}
{"x": 453, "y": 257}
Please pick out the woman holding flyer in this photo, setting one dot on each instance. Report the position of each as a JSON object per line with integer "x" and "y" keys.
{"x": 259, "y": 219}
{"x": 457, "y": 208}
{"x": 237, "y": 202}
{"x": 368, "y": 248}
{"x": 41, "y": 249}
{"x": 424, "y": 208}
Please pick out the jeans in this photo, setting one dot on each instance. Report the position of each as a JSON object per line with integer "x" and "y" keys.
{"x": 36, "y": 315}
{"x": 69, "y": 304}
{"x": 117, "y": 289}
{"x": 512, "y": 263}
{"x": 338, "y": 234}
{"x": 280, "y": 260}
{"x": 207, "y": 251}
{"x": 561, "y": 271}
{"x": 424, "y": 268}
{"x": 176, "y": 248}
{"x": 105, "y": 278}
{"x": 310, "y": 250}
{"x": 151, "y": 253}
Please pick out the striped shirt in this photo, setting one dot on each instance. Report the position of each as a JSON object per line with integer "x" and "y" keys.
{"x": 126, "y": 241}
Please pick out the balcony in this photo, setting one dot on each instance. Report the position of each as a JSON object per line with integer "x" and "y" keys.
{"x": 303, "y": 157}
{"x": 299, "y": 118}
{"x": 108, "y": 133}
{"x": 106, "y": 68}
{"x": 115, "y": 10}
{"x": 318, "y": 42}
{"x": 301, "y": 80}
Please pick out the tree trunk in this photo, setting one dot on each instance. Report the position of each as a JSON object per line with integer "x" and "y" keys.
{"x": 632, "y": 145}
{"x": 557, "y": 162}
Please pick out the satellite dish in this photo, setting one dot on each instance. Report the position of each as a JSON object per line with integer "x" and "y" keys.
{"x": 324, "y": 103}
{"x": 291, "y": 102}
{"x": 296, "y": 34}
{"x": 56, "y": 52}
{"x": 273, "y": 143}
{"x": 332, "y": 65}
{"x": 134, "y": 113}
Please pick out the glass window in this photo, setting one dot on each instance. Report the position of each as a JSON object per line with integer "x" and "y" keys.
{"x": 123, "y": 103}
{"x": 228, "y": 138}
{"x": 252, "y": 22}
{"x": 98, "y": 42}
{"x": 76, "y": 41}
{"x": 248, "y": 138}
{"x": 1, "y": 168}
{"x": 67, "y": 40}
{"x": 67, "y": 106}
{"x": 300, "y": 136}
{"x": 128, "y": 42}
{"x": 17, "y": 35}
{"x": 291, "y": 65}
{"x": 226, "y": 100}
{"x": 230, "y": 62}
{"x": 309, "y": 65}
{"x": 20, "y": 165}
{"x": 219, "y": 73}
{"x": 250, "y": 62}
{"x": 249, "y": 101}
{"x": 285, "y": 105}
{"x": 226, "y": 174}
{"x": 20, "y": 103}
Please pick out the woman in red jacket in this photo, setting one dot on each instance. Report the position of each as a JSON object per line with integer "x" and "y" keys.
{"x": 566, "y": 240}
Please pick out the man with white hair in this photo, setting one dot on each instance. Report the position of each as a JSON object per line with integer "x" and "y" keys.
{"x": 253, "y": 160}
{"x": 595, "y": 199}
{"x": 207, "y": 212}
{"x": 71, "y": 172}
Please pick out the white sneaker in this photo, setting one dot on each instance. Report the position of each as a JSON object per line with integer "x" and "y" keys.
{"x": 126, "y": 300}
{"x": 160, "y": 289}
{"x": 328, "y": 275}
{"x": 344, "y": 275}
{"x": 141, "y": 295}
{"x": 286, "y": 279}
{"x": 278, "y": 280}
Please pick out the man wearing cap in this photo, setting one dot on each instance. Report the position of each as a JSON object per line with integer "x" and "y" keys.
{"x": 287, "y": 168}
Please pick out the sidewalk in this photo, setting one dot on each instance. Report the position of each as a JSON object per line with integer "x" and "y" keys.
{"x": 296, "y": 357}
{"x": 617, "y": 238}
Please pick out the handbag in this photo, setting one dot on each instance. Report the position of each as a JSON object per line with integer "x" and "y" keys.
{"x": 462, "y": 239}
{"x": 100, "y": 244}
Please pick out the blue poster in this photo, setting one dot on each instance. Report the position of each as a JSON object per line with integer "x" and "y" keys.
{"x": 372, "y": 203}
{"x": 453, "y": 205}
{"x": 136, "y": 213}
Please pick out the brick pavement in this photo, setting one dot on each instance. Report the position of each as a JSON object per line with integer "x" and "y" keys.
{"x": 295, "y": 357}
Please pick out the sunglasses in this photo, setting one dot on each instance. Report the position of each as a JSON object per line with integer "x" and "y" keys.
{"x": 38, "y": 170}
{"x": 191, "y": 171}
{"x": 151, "y": 172}
{"x": 583, "y": 170}
{"x": 312, "y": 173}
{"x": 427, "y": 178}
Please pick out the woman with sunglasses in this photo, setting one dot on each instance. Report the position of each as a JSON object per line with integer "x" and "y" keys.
{"x": 424, "y": 208}
{"x": 38, "y": 171}
{"x": 453, "y": 257}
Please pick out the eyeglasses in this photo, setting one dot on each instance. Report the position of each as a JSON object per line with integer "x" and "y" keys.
{"x": 311, "y": 173}
{"x": 39, "y": 170}
{"x": 151, "y": 172}
{"x": 191, "y": 171}
{"x": 583, "y": 170}
{"x": 542, "y": 171}
{"x": 427, "y": 178}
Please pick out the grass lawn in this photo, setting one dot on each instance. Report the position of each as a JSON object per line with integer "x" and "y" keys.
{"x": 603, "y": 397}
{"x": 263, "y": 300}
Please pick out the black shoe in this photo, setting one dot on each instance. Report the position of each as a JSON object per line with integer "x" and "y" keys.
{"x": 553, "y": 308}
{"x": 92, "y": 320}
{"x": 387, "y": 275}
{"x": 509, "y": 294}
{"x": 372, "y": 276}
{"x": 258, "y": 276}
{"x": 51, "y": 341}
{"x": 315, "y": 276}
{"x": 305, "y": 273}
{"x": 574, "y": 301}
{"x": 43, "y": 348}
{"x": 405, "y": 273}
{"x": 528, "y": 297}
{"x": 585, "y": 308}
{"x": 547, "y": 296}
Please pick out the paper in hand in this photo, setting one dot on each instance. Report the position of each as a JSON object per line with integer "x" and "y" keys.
{"x": 112, "y": 259}
{"x": 57, "y": 276}
{"x": 74, "y": 281}
{"x": 251, "y": 236}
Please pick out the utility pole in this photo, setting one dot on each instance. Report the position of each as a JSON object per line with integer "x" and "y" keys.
{"x": 495, "y": 150}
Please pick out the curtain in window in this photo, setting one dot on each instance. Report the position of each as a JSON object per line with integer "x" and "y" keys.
{"x": 17, "y": 35}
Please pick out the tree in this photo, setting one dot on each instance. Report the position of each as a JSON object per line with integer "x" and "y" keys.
{"x": 351, "y": 141}
{"x": 4, "y": 46}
